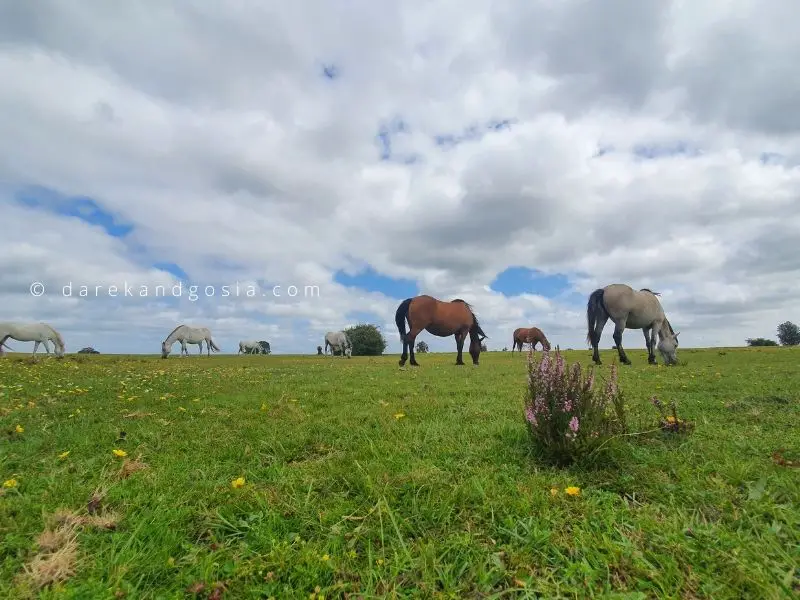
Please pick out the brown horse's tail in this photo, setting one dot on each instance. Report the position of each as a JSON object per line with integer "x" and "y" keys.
{"x": 594, "y": 309}
{"x": 401, "y": 316}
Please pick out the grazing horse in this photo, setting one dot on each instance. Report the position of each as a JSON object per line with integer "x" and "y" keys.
{"x": 442, "y": 319}
{"x": 250, "y": 347}
{"x": 630, "y": 309}
{"x": 532, "y": 336}
{"x": 39, "y": 333}
{"x": 338, "y": 341}
{"x": 188, "y": 335}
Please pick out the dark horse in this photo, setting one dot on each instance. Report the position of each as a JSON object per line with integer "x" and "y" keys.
{"x": 442, "y": 319}
{"x": 532, "y": 335}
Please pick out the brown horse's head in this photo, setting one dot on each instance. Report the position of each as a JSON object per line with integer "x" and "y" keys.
{"x": 476, "y": 337}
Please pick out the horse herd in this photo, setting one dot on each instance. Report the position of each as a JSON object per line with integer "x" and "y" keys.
{"x": 626, "y": 307}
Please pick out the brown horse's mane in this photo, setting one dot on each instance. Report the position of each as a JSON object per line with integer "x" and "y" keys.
{"x": 173, "y": 331}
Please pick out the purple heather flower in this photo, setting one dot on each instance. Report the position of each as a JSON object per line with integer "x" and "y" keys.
{"x": 574, "y": 424}
{"x": 529, "y": 415}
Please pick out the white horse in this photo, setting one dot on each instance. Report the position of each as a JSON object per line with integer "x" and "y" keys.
{"x": 40, "y": 333}
{"x": 338, "y": 341}
{"x": 251, "y": 347}
{"x": 188, "y": 335}
{"x": 630, "y": 309}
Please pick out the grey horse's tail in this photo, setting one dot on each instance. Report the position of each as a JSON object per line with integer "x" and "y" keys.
{"x": 594, "y": 309}
{"x": 214, "y": 347}
{"x": 401, "y": 316}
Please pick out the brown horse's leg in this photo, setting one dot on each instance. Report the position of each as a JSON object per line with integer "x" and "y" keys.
{"x": 460, "y": 336}
{"x": 411, "y": 338}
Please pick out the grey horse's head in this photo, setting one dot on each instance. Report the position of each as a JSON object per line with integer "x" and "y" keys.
{"x": 668, "y": 347}
{"x": 164, "y": 350}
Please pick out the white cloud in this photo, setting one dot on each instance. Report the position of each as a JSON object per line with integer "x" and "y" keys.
{"x": 211, "y": 131}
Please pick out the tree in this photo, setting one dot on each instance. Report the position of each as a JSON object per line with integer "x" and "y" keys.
{"x": 319, "y": 350}
{"x": 484, "y": 348}
{"x": 367, "y": 339}
{"x": 422, "y": 347}
{"x": 760, "y": 342}
{"x": 788, "y": 334}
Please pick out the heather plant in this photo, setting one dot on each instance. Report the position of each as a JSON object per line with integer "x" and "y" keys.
{"x": 568, "y": 415}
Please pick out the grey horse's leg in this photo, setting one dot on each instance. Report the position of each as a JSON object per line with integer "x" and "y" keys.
{"x": 653, "y": 336}
{"x": 619, "y": 328}
{"x": 596, "y": 334}
{"x": 648, "y": 339}
{"x": 35, "y": 348}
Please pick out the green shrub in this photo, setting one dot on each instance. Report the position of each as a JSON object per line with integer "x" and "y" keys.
{"x": 367, "y": 339}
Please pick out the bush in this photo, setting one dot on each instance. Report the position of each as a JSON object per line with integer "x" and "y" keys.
{"x": 367, "y": 340}
{"x": 760, "y": 342}
{"x": 422, "y": 347}
{"x": 567, "y": 416}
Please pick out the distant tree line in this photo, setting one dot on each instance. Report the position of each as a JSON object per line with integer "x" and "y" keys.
{"x": 788, "y": 335}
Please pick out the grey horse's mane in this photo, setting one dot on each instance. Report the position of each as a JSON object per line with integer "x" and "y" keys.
{"x": 173, "y": 331}
{"x": 651, "y": 291}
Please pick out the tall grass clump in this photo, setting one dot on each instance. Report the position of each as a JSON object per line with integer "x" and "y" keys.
{"x": 567, "y": 415}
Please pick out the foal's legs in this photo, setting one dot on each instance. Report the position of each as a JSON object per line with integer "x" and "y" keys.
{"x": 618, "y": 330}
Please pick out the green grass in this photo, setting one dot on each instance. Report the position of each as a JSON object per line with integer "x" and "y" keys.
{"x": 445, "y": 502}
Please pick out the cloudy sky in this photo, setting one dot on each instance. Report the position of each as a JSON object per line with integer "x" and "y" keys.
{"x": 514, "y": 153}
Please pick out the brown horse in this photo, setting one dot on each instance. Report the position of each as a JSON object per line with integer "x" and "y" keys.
{"x": 529, "y": 335}
{"x": 442, "y": 319}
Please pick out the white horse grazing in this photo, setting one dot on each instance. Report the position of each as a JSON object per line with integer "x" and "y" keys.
{"x": 188, "y": 335}
{"x": 40, "y": 333}
{"x": 338, "y": 341}
{"x": 250, "y": 347}
{"x": 630, "y": 309}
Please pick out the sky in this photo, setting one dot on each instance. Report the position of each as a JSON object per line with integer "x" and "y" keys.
{"x": 516, "y": 154}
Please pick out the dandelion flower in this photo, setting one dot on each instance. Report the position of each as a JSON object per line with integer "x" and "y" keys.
{"x": 399, "y": 415}
{"x": 64, "y": 455}
{"x": 237, "y": 483}
{"x": 120, "y": 453}
{"x": 670, "y": 419}
{"x": 572, "y": 491}
{"x": 19, "y": 428}
{"x": 326, "y": 557}
{"x": 10, "y": 483}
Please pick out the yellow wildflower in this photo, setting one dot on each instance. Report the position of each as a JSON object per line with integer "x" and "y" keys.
{"x": 326, "y": 557}
{"x": 237, "y": 483}
{"x": 379, "y": 561}
{"x": 572, "y": 491}
{"x": 120, "y": 453}
{"x": 64, "y": 455}
{"x": 670, "y": 419}
{"x": 10, "y": 483}
{"x": 554, "y": 491}
{"x": 352, "y": 554}
{"x": 399, "y": 415}
{"x": 19, "y": 428}
{"x": 263, "y": 406}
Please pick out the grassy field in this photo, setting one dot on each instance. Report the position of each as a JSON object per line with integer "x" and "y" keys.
{"x": 364, "y": 480}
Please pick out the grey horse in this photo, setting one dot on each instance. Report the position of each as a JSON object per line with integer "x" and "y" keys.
{"x": 338, "y": 340}
{"x": 630, "y": 309}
